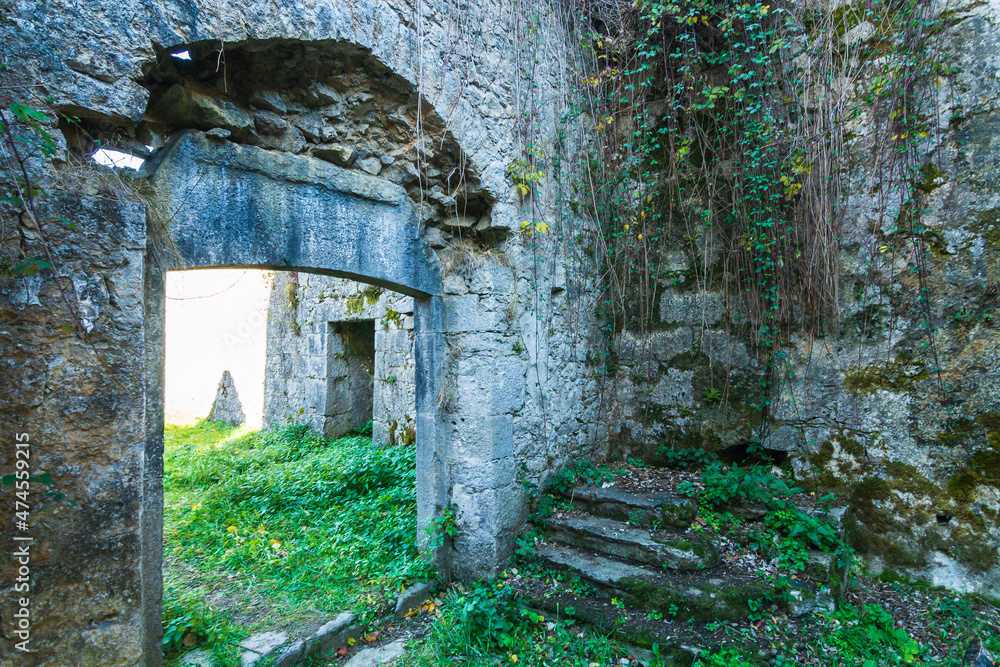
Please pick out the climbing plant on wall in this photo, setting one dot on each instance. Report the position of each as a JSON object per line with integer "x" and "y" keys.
{"x": 722, "y": 129}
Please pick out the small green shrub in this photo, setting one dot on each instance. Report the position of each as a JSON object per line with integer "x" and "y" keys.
{"x": 185, "y": 615}
{"x": 581, "y": 471}
{"x": 685, "y": 459}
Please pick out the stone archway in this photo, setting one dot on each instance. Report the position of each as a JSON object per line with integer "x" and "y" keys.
{"x": 231, "y": 205}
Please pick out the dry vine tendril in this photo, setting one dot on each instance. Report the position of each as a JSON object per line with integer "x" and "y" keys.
{"x": 725, "y": 129}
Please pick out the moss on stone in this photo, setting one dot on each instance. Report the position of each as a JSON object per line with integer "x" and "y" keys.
{"x": 988, "y": 224}
{"x": 893, "y": 577}
{"x": 984, "y": 465}
{"x": 707, "y": 602}
{"x": 958, "y": 431}
{"x": 961, "y": 485}
{"x": 908, "y": 479}
{"x": 701, "y": 437}
{"x": 929, "y": 174}
{"x": 876, "y": 540}
{"x": 972, "y": 550}
{"x": 990, "y": 421}
{"x": 902, "y": 374}
{"x": 689, "y": 361}
{"x": 824, "y": 456}
{"x": 935, "y": 242}
{"x": 874, "y": 530}
{"x": 871, "y": 488}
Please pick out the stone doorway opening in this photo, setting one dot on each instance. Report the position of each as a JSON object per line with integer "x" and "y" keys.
{"x": 215, "y": 340}
{"x": 240, "y": 208}
{"x": 350, "y": 376}
{"x": 340, "y": 358}
{"x": 313, "y": 158}
{"x": 336, "y": 353}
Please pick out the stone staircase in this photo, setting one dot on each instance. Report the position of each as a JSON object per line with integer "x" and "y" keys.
{"x": 639, "y": 552}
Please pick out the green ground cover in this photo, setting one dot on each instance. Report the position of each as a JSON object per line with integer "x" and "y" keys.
{"x": 277, "y": 530}
{"x": 268, "y": 530}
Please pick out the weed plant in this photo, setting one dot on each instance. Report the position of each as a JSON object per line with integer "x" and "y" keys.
{"x": 486, "y": 624}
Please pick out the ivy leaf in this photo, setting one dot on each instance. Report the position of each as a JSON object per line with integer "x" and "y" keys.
{"x": 27, "y": 114}
{"x": 32, "y": 266}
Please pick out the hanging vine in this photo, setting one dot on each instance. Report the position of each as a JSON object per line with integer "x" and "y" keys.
{"x": 722, "y": 130}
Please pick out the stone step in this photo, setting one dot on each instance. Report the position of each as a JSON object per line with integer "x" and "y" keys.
{"x": 678, "y": 643}
{"x": 615, "y": 538}
{"x": 653, "y": 510}
{"x": 676, "y": 595}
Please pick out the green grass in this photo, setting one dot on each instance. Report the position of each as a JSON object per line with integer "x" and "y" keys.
{"x": 266, "y": 530}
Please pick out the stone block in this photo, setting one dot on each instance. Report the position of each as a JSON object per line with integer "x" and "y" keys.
{"x": 701, "y": 309}
{"x": 492, "y": 279}
{"x": 465, "y": 312}
{"x": 494, "y": 385}
{"x": 188, "y": 106}
{"x": 339, "y": 154}
{"x": 675, "y": 388}
{"x": 485, "y": 474}
{"x": 413, "y": 597}
{"x": 269, "y": 100}
{"x": 484, "y": 439}
{"x": 316, "y": 344}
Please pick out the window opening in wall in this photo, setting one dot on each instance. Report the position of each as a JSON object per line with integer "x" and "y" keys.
{"x": 283, "y": 504}
{"x": 111, "y": 158}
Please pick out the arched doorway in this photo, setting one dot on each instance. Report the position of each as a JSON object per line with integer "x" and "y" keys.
{"x": 231, "y": 205}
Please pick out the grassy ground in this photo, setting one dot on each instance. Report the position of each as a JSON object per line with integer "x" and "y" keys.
{"x": 272, "y": 530}
{"x": 280, "y": 530}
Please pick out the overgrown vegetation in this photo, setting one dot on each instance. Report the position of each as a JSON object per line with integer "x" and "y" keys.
{"x": 493, "y": 623}
{"x": 724, "y": 131}
{"x": 489, "y": 624}
{"x": 793, "y": 524}
{"x": 265, "y": 529}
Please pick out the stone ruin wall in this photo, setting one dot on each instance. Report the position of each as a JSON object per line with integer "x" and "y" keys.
{"x": 520, "y": 398}
{"x": 311, "y": 376}
{"x": 862, "y": 413}
{"x": 518, "y": 309}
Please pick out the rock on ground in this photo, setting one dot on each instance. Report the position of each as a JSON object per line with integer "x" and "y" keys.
{"x": 261, "y": 644}
{"x": 227, "y": 407}
{"x": 372, "y": 657}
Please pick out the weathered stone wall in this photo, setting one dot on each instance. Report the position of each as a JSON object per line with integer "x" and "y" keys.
{"x": 77, "y": 402}
{"x": 310, "y": 378}
{"x": 904, "y": 432}
{"x": 431, "y": 96}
